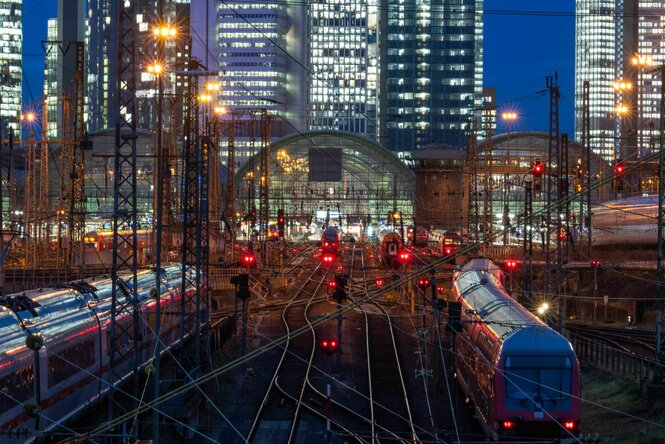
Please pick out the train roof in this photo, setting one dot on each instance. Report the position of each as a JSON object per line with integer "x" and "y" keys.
{"x": 536, "y": 340}
{"x": 479, "y": 285}
{"x": 389, "y": 234}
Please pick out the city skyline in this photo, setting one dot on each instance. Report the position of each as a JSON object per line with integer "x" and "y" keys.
{"x": 518, "y": 74}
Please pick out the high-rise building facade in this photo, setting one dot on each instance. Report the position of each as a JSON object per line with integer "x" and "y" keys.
{"x": 252, "y": 59}
{"x": 599, "y": 59}
{"x": 102, "y": 59}
{"x": 618, "y": 45}
{"x": 431, "y": 77}
{"x": 63, "y": 34}
{"x": 11, "y": 66}
{"x": 100, "y": 76}
{"x": 51, "y": 86}
{"x": 647, "y": 32}
{"x": 343, "y": 63}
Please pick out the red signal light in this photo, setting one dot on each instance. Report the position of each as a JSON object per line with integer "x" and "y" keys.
{"x": 448, "y": 251}
{"x": 248, "y": 259}
{"x": 332, "y": 284}
{"x": 329, "y": 346}
{"x": 537, "y": 169}
{"x": 595, "y": 263}
{"x": 508, "y": 425}
{"x": 404, "y": 256}
{"x": 378, "y": 282}
{"x": 619, "y": 168}
{"x": 328, "y": 259}
{"x": 510, "y": 264}
{"x": 569, "y": 425}
{"x": 423, "y": 283}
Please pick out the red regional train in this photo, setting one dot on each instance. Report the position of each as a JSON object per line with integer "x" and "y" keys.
{"x": 103, "y": 240}
{"x": 522, "y": 377}
{"x": 55, "y": 357}
{"x": 390, "y": 245}
{"x": 421, "y": 236}
{"x": 445, "y": 242}
{"x": 330, "y": 240}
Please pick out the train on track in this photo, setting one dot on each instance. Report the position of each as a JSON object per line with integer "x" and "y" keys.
{"x": 97, "y": 241}
{"x": 55, "y": 355}
{"x": 442, "y": 242}
{"x": 522, "y": 377}
{"x": 330, "y": 240}
{"x": 390, "y": 245}
{"x": 418, "y": 236}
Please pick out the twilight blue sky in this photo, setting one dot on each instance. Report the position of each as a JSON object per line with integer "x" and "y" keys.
{"x": 520, "y": 50}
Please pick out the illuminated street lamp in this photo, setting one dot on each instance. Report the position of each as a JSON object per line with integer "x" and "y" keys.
{"x": 622, "y": 85}
{"x": 213, "y": 86}
{"x": 621, "y": 110}
{"x": 509, "y": 117}
{"x": 156, "y": 68}
{"x": 165, "y": 31}
{"x": 543, "y": 308}
{"x": 640, "y": 62}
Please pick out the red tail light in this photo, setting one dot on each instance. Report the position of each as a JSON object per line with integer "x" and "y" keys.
{"x": 508, "y": 425}
{"x": 569, "y": 425}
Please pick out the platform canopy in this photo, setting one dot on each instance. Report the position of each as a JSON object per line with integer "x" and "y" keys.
{"x": 330, "y": 174}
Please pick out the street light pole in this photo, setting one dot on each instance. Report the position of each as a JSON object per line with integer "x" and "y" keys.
{"x": 161, "y": 33}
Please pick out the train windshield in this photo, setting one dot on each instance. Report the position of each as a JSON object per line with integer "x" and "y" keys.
{"x": 538, "y": 379}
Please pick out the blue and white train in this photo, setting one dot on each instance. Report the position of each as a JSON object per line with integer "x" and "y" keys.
{"x": 522, "y": 377}
{"x": 55, "y": 357}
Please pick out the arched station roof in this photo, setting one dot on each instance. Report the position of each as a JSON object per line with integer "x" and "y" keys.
{"x": 323, "y": 169}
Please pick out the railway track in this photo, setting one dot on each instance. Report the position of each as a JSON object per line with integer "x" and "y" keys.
{"x": 637, "y": 342}
{"x": 292, "y": 369}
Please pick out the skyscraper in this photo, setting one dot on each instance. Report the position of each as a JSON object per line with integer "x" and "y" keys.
{"x": 431, "y": 72}
{"x": 253, "y": 64}
{"x": 343, "y": 65}
{"x": 599, "y": 56}
{"x": 647, "y": 33}
{"x": 11, "y": 66}
{"x": 619, "y": 40}
{"x": 51, "y": 85}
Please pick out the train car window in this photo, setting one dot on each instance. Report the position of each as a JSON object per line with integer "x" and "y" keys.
{"x": 70, "y": 361}
{"x": 541, "y": 378}
{"x": 16, "y": 388}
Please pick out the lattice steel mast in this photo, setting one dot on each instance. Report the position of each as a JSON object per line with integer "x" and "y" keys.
{"x": 125, "y": 340}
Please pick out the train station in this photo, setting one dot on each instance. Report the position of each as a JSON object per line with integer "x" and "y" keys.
{"x": 332, "y": 222}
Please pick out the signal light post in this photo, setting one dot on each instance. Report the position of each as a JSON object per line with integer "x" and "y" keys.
{"x": 619, "y": 171}
{"x": 511, "y": 266}
{"x": 423, "y": 284}
{"x": 595, "y": 264}
{"x": 404, "y": 257}
{"x": 339, "y": 295}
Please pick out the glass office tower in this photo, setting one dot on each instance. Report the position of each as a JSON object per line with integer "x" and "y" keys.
{"x": 343, "y": 66}
{"x": 431, "y": 72}
{"x": 11, "y": 66}
{"x": 598, "y": 60}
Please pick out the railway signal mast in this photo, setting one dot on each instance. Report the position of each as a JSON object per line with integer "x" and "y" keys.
{"x": 124, "y": 302}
